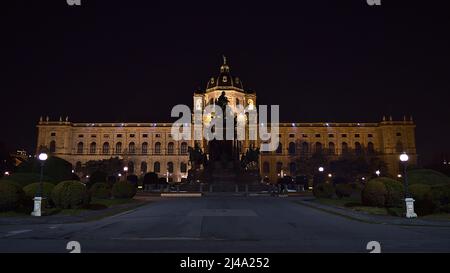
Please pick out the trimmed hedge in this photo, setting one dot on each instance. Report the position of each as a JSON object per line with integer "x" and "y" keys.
{"x": 31, "y": 190}
{"x": 100, "y": 191}
{"x": 11, "y": 196}
{"x": 70, "y": 195}
{"x": 323, "y": 190}
{"x": 344, "y": 190}
{"x": 427, "y": 177}
{"x": 424, "y": 203}
{"x": 374, "y": 194}
{"x": 394, "y": 191}
{"x": 123, "y": 190}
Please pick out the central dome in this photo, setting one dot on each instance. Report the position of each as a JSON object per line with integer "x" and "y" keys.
{"x": 225, "y": 80}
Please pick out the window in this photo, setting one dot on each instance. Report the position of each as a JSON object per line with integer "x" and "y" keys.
{"x": 266, "y": 167}
{"x": 156, "y": 167}
{"x": 144, "y": 149}
{"x": 291, "y": 135}
{"x": 183, "y": 167}
{"x": 280, "y": 148}
{"x": 291, "y": 148}
{"x": 344, "y": 135}
{"x": 370, "y": 148}
{"x": 132, "y": 135}
{"x": 370, "y": 135}
{"x": 398, "y": 134}
{"x": 143, "y": 167}
{"x": 119, "y": 135}
{"x": 53, "y": 134}
{"x": 93, "y": 148}
{"x": 305, "y": 148}
{"x": 170, "y": 148}
{"x": 318, "y": 147}
{"x": 358, "y": 148}
{"x": 184, "y": 148}
{"x": 105, "y": 148}
{"x": 317, "y": 135}
{"x": 157, "y": 148}
{"x": 292, "y": 168}
{"x": 80, "y": 136}
{"x": 356, "y": 135}
{"x": 331, "y": 148}
{"x": 331, "y": 135}
{"x": 344, "y": 147}
{"x": 170, "y": 167}
{"x": 132, "y": 148}
{"x": 130, "y": 167}
{"x": 279, "y": 167}
{"x": 52, "y": 146}
{"x": 158, "y": 135}
{"x": 145, "y": 135}
{"x": 237, "y": 102}
{"x": 118, "y": 147}
{"x": 80, "y": 147}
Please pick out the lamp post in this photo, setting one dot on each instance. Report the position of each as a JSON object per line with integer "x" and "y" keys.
{"x": 37, "y": 211}
{"x": 321, "y": 169}
{"x": 378, "y": 173}
{"x": 125, "y": 169}
{"x": 409, "y": 202}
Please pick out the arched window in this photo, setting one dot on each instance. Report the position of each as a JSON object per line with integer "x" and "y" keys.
{"x": 170, "y": 148}
{"x": 279, "y": 167}
{"x": 331, "y": 148}
{"x": 144, "y": 149}
{"x": 105, "y": 148}
{"x": 370, "y": 148}
{"x": 280, "y": 148}
{"x": 184, "y": 148}
{"x": 78, "y": 167}
{"x": 318, "y": 147}
{"x": 358, "y": 148}
{"x": 266, "y": 167}
{"x": 132, "y": 148}
{"x": 80, "y": 147}
{"x": 52, "y": 146}
{"x": 170, "y": 167}
{"x": 183, "y": 167}
{"x": 93, "y": 148}
{"x": 130, "y": 167}
{"x": 118, "y": 147}
{"x": 291, "y": 148}
{"x": 143, "y": 167}
{"x": 157, "y": 148}
{"x": 399, "y": 147}
{"x": 292, "y": 168}
{"x": 237, "y": 101}
{"x": 157, "y": 167}
{"x": 305, "y": 148}
{"x": 344, "y": 147}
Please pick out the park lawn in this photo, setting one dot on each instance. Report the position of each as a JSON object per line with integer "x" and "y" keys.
{"x": 437, "y": 216}
{"x": 352, "y": 203}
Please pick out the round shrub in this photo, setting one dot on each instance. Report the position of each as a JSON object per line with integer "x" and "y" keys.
{"x": 70, "y": 195}
{"x": 11, "y": 196}
{"x": 31, "y": 190}
{"x": 424, "y": 203}
{"x": 394, "y": 191}
{"x": 441, "y": 195}
{"x": 96, "y": 177}
{"x": 100, "y": 191}
{"x": 123, "y": 190}
{"x": 427, "y": 177}
{"x": 323, "y": 190}
{"x": 343, "y": 190}
{"x": 374, "y": 194}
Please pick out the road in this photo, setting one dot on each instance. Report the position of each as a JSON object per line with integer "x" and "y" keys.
{"x": 224, "y": 224}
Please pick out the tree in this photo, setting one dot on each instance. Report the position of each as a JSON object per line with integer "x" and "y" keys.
{"x": 109, "y": 166}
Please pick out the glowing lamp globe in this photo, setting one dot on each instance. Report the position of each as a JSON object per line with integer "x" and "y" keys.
{"x": 43, "y": 156}
{"x": 404, "y": 157}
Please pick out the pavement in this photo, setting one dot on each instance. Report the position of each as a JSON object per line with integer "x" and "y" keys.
{"x": 225, "y": 224}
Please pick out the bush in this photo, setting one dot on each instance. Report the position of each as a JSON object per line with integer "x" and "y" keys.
{"x": 133, "y": 179}
{"x": 394, "y": 191}
{"x": 424, "y": 203}
{"x": 150, "y": 178}
{"x": 343, "y": 190}
{"x": 123, "y": 190}
{"x": 427, "y": 177}
{"x": 100, "y": 191}
{"x": 441, "y": 195}
{"x": 31, "y": 190}
{"x": 11, "y": 196}
{"x": 374, "y": 194}
{"x": 70, "y": 195}
{"x": 323, "y": 190}
{"x": 96, "y": 177}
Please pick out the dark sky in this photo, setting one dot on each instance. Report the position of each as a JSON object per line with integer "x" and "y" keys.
{"x": 133, "y": 60}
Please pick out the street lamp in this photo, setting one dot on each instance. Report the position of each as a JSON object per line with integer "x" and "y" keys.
{"x": 125, "y": 169}
{"x": 37, "y": 211}
{"x": 321, "y": 169}
{"x": 378, "y": 172}
{"x": 409, "y": 202}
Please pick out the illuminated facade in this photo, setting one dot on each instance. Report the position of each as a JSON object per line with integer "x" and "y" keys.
{"x": 148, "y": 147}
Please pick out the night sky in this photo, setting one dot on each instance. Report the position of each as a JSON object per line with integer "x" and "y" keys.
{"x": 326, "y": 61}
